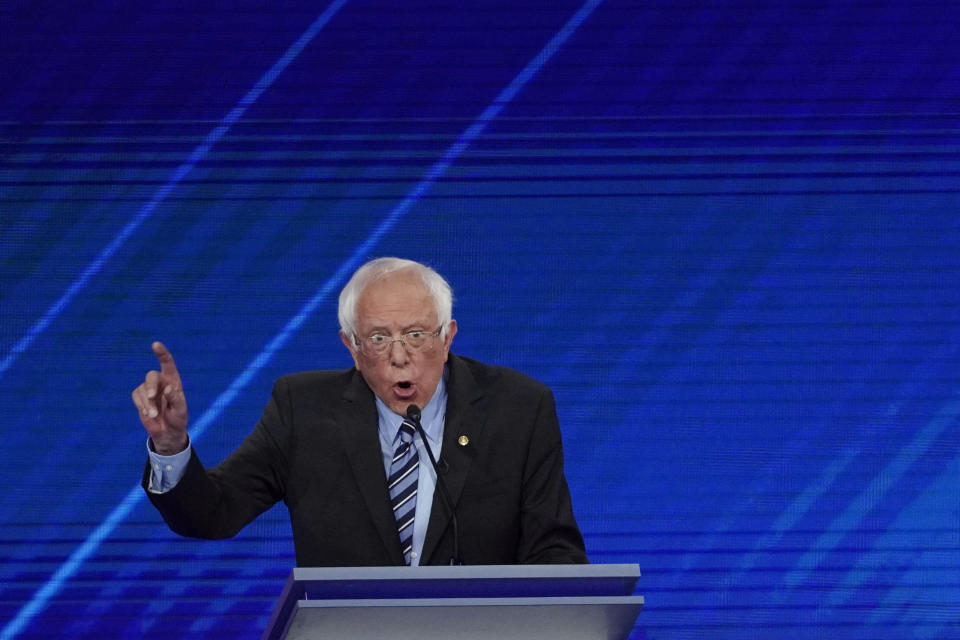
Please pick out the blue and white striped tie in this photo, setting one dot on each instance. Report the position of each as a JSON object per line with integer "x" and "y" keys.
{"x": 402, "y": 484}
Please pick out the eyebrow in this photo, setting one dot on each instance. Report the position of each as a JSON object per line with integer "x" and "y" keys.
{"x": 417, "y": 326}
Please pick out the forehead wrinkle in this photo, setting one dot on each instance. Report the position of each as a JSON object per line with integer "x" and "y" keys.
{"x": 399, "y": 302}
{"x": 386, "y": 329}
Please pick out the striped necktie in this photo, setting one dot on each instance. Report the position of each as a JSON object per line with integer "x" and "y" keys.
{"x": 402, "y": 484}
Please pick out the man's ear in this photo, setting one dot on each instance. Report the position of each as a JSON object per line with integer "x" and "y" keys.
{"x": 451, "y": 331}
{"x": 351, "y": 347}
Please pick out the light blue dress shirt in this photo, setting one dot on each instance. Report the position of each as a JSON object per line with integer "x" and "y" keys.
{"x": 432, "y": 417}
{"x": 166, "y": 471}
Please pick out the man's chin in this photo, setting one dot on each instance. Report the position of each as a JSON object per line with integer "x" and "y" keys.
{"x": 401, "y": 398}
{"x": 400, "y": 409}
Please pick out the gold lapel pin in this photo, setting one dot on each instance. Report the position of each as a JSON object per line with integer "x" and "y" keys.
{"x": 463, "y": 441}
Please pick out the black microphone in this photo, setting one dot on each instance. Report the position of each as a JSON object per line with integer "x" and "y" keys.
{"x": 413, "y": 415}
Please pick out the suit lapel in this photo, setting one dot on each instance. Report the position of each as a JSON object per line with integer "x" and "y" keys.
{"x": 358, "y": 416}
{"x": 464, "y": 417}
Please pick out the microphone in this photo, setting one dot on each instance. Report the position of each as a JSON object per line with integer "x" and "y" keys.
{"x": 413, "y": 414}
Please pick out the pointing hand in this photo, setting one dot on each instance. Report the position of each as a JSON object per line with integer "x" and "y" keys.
{"x": 162, "y": 405}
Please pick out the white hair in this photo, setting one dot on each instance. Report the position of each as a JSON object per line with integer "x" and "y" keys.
{"x": 379, "y": 268}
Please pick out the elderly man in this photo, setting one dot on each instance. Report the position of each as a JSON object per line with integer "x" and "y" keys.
{"x": 343, "y": 451}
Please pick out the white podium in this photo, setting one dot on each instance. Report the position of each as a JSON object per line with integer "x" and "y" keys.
{"x": 557, "y": 602}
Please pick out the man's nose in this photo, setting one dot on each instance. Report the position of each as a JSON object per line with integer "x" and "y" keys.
{"x": 398, "y": 353}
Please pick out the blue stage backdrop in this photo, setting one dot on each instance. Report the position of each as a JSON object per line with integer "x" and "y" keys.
{"x": 727, "y": 234}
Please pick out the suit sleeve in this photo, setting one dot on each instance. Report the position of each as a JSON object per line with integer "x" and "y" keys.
{"x": 549, "y": 533}
{"x": 217, "y": 503}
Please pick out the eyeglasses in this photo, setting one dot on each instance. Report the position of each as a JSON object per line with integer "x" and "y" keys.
{"x": 413, "y": 341}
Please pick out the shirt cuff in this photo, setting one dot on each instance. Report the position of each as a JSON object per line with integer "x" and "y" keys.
{"x": 166, "y": 471}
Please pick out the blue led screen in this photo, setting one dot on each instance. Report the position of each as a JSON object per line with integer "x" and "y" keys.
{"x": 726, "y": 234}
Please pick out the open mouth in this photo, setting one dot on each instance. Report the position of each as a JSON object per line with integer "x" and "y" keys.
{"x": 404, "y": 389}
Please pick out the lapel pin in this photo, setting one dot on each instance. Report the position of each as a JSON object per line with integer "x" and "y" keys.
{"x": 463, "y": 441}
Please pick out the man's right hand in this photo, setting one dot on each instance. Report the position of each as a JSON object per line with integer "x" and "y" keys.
{"x": 162, "y": 405}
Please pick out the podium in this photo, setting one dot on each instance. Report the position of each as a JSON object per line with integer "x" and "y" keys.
{"x": 582, "y": 602}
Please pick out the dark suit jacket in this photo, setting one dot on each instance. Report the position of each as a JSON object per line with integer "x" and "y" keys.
{"x": 317, "y": 448}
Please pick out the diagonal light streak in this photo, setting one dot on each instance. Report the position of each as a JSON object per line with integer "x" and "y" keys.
{"x": 120, "y": 512}
{"x": 332, "y": 284}
{"x": 147, "y": 210}
{"x": 871, "y": 495}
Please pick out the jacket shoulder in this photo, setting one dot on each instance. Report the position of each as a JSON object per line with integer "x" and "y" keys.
{"x": 491, "y": 376}
{"x": 324, "y": 385}
{"x": 308, "y": 379}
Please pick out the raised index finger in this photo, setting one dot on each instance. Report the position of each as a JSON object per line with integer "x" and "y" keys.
{"x": 167, "y": 366}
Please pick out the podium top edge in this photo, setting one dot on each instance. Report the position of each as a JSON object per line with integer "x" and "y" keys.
{"x": 424, "y": 603}
{"x": 506, "y": 571}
